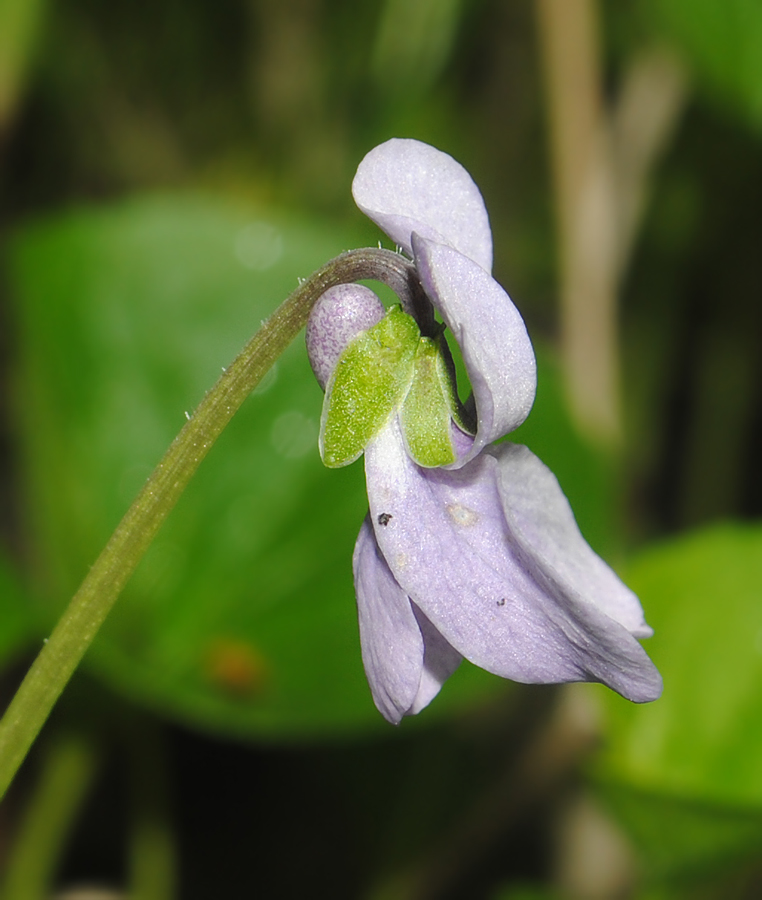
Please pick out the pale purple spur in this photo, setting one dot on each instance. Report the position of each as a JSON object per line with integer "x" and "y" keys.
{"x": 480, "y": 558}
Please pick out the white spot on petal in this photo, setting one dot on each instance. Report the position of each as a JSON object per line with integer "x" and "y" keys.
{"x": 462, "y": 515}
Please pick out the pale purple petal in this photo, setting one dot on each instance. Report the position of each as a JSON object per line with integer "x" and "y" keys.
{"x": 450, "y": 549}
{"x": 543, "y": 527}
{"x": 406, "y": 660}
{"x": 404, "y": 186}
{"x": 491, "y": 335}
{"x": 340, "y": 315}
{"x": 391, "y": 640}
{"x": 440, "y": 660}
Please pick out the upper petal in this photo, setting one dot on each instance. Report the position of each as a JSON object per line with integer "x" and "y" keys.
{"x": 449, "y": 546}
{"x": 404, "y": 186}
{"x": 490, "y": 333}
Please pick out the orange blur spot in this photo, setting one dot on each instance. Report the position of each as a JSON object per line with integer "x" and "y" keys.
{"x": 235, "y": 666}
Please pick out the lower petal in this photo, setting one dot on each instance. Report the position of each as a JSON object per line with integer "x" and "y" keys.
{"x": 448, "y": 543}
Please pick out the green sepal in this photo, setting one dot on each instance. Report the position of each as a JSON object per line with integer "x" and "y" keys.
{"x": 369, "y": 382}
{"x": 427, "y": 408}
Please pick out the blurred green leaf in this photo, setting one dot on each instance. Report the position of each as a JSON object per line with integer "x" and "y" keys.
{"x": 723, "y": 41}
{"x": 242, "y": 615}
{"x": 407, "y": 61}
{"x": 685, "y": 772}
{"x": 682, "y": 838}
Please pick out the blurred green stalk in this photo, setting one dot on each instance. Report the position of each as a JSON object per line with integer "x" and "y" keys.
{"x": 86, "y": 612}
{"x": 602, "y": 156}
{"x": 586, "y": 214}
{"x": 152, "y": 846}
{"x": 68, "y": 769}
{"x": 20, "y": 22}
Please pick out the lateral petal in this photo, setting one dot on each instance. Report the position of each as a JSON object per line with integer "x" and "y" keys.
{"x": 406, "y": 660}
{"x": 440, "y": 660}
{"x": 490, "y": 333}
{"x": 391, "y": 640}
{"x": 544, "y": 529}
{"x": 404, "y": 186}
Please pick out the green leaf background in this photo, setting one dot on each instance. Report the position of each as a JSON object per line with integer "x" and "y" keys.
{"x": 685, "y": 773}
{"x": 241, "y": 618}
{"x": 722, "y": 41}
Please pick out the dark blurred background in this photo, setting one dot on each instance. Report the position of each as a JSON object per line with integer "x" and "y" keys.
{"x": 167, "y": 172}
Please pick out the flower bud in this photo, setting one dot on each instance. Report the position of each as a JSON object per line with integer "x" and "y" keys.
{"x": 339, "y": 316}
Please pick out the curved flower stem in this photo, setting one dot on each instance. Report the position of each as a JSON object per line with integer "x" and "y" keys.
{"x": 88, "y": 608}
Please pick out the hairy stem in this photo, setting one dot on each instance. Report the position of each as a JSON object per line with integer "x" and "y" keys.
{"x": 89, "y": 607}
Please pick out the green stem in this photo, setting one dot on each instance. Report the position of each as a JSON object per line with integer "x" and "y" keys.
{"x": 68, "y": 770}
{"x": 88, "y": 608}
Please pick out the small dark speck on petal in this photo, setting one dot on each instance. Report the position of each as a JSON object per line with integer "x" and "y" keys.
{"x": 384, "y": 518}
{"x": 501, "y": 601}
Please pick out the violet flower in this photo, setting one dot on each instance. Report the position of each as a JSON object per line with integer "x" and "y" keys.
{"x": 470, "y": 548}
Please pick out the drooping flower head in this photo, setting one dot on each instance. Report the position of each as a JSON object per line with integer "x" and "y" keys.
{"x": 470, "y": 548}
